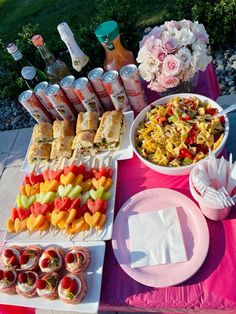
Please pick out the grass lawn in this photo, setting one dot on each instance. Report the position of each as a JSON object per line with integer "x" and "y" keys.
{"x": 83, "y": 16}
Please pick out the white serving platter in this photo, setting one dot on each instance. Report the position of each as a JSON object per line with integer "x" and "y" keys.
{"x": 58, "y": 235}
{"x": 93, "y": 276}
{"x": 124, "y": 152}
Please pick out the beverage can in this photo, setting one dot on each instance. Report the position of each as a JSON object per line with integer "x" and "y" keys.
{"x": 116, "y": 91}
{"x": 132, "y": 83}
{"x": 67, "y": 85}
{"x": 60, "y": 102}
{"x": 95, "y": 77}
{"x": 86, "y": 94}
{"x": 40, "y": 92}
{"x": 31, "y": 103}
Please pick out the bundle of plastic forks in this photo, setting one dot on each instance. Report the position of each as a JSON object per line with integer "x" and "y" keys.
{"x": 215, "y": 181}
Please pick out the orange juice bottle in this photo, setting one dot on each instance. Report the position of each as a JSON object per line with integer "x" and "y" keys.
{"x": 116, "y": 55}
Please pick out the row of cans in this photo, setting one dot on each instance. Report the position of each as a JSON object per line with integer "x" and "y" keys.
{"x": 100, "y": 91}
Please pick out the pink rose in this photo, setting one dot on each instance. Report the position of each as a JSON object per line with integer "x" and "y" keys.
{"x": 157, "y": 32}
{"x": 160, "y": 54}
{"x": 171, "y": 65}
{"x": 170, "y": 44}
{"x": 168, "y": 81}
{"x": 156, "y": 86}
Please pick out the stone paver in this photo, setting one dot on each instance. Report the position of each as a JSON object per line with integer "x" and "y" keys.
{"x": 7, "y": 139}
{"x": 19, "y": 148}
{"x": 9, "y": 188}
{"x": 3, "y": 160}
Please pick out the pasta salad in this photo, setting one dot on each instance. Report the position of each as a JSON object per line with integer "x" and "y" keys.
{"x": 180, "y": 132}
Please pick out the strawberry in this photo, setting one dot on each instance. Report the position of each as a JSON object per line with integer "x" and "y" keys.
{"x": 69, "y": 258}
{"x": 23, "y": 259}
{"x": 73, "y": 286}
{"x": 31, "y": 277}
{"x": 14, "y": 214}
{"x": 9, "y": 275}
{"x": 44, "y": 263}
{"x": 52, "y": 254}
{"x": 13, "y": 261}
{"x": 23, "y": 212}
{"x": 1, "y": 274}
{"x": 8, "y": 253}
{"x": 41, "y": 284}
{"x": 66, "y": 282}
{"x": 22, "y": 277}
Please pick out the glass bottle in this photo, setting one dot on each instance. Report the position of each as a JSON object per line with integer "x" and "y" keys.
{"x": 30, "y": 76}
{"x": 116, "y": 55}
{"x": 22, "y": 62}
{"x": 80, "y": 61}
{"x": 55, "y": 68}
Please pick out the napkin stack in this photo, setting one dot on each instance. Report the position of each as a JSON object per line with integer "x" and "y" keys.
{"x": 156, "y": 238}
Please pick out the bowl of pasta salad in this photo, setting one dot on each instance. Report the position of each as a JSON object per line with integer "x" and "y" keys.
{"x": 173, "y": 133}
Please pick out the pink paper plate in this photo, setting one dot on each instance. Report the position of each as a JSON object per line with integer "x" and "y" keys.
{"x": 194, "y": 229}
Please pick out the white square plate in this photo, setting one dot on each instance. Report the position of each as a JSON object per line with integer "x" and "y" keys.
{"x": 93, "y": 276}
{"x": 124, "y": 152}
{"x": 58, "y": 235}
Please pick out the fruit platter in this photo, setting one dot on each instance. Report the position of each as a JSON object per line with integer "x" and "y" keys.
{"x": 65, "y": 276}
{"x": 67, "y": 202}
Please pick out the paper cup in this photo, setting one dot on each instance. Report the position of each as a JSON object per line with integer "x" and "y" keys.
{"x": 209, "y": 210}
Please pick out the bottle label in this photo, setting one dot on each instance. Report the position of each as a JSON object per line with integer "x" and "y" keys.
{"x": 17, "y": 55}
{"x": 109, "y": 45}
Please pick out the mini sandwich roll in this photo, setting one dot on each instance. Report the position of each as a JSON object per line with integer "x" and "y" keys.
{"x": 61, "y": 147}
{"x": 108, "y": 134}
{"x": 83, "y": 140}
{"x": 42, "y": 133}
{"x": 39, "y": 152}
{"x": 63, "y": 128}
{"x": 87, "y": 121}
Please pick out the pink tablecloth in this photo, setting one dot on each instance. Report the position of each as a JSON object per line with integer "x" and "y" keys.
{"x": 213, "y": 286}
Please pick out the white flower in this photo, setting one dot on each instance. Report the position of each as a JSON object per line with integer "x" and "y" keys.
{"x": 200, "y": 32}
{"x": 145, "y": 72}
{"x": 143, "y": 55}
{"x": 184, "y": 54}
{"x": 199, "y": 46}
{"x": 185, "y": 37}
{"x": 200, "y": 61}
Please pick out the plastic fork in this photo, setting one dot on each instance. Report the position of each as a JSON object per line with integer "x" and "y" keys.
{"x": 229, "y": 109}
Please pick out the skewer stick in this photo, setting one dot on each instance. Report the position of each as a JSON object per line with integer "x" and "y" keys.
{"x": 72, "y": 159}
{"x": 52, "y": 164}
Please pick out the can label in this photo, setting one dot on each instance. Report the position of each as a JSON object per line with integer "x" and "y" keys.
{"x": 62, "y": 105}
{"x": 89, "y": 99}
{"x": 132, "y": 84}
{"x": 47, "y": 104}
{"x": 34, "y": 107}
{"x": 117, "y": 94}
{"x": 102, "y": 94}
{"x": 74, "y": 99}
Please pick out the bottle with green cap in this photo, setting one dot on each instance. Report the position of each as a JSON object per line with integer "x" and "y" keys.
{"x": 116, "y": 55}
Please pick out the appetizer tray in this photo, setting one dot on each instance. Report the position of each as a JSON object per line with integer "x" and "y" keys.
{"x": 53, "y": 234}
{"x": 93, "y": 276}
{"x": 194, "y": 230}
{"x": 124, "y": 152}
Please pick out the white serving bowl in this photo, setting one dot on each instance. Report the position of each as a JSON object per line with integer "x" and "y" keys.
{"x": 182, "y": 170}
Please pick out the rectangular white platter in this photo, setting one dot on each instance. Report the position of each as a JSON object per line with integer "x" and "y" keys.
{"x": 93, "y": 276}
{"x": 58, "y": 235}
{"x": 124, "y": 152}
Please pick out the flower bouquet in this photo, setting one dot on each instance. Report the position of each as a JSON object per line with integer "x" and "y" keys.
{"x": 173, "y": 53}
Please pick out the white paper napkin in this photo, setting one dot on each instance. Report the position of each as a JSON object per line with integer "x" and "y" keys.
{"x": 156, "y": 238}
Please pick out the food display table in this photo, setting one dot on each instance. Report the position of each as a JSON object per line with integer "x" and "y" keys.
{"x": 213, "y": 286}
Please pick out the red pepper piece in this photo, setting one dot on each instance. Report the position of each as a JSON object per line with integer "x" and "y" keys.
{"x": 211, "y": 111}
{"x": 185, "y": 153}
